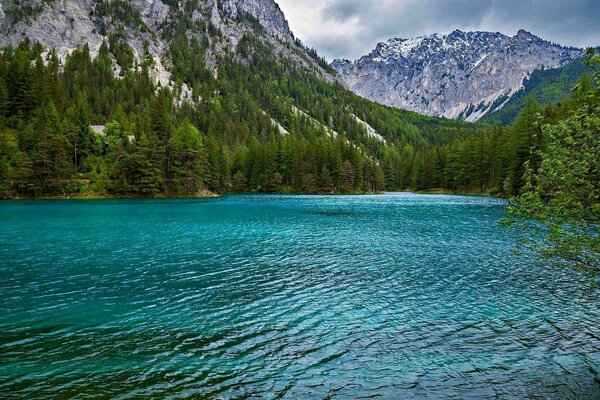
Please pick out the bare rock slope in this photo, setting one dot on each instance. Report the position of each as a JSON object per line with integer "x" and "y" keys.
{"x": 64, "y": 25}
{"x": 462, "y": 75}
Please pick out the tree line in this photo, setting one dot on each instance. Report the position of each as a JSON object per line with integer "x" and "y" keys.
{"x": 151, "y": 142}
{"x": 222, "y": 132}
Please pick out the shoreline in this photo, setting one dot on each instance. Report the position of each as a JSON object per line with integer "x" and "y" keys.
{"x": 209, "y": 195}
{"x": 95, "y": 196}
{"x": 447, "y": 192}
{"x": 212, "y": 195}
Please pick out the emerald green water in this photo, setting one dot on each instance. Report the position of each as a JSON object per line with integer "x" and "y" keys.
{"x": 295, "y": 297}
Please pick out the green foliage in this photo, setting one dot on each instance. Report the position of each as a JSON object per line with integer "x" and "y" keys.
{"x": 186, "y": 160}
{"x": 121, "y": 11}
{"x": 226, "y": 136}
{"x": 187, "y": 54}
{"x": 50, "y": 153}
{"x": 25, "y": 9}
{"x": 122, "y": 51}
{"x": 8, "y": 147}
{"x": 560, "y": 201}
{"x": 151, "y": 145}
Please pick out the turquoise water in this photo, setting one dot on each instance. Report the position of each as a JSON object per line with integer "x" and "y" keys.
{"x": 286, "y": 297}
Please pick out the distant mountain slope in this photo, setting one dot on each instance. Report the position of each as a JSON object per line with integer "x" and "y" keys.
{"x": 182, "y": 38}
{"x": 154, "y": 76}
{"x": 462, "y": 75}
{"x": 547, "y": 87}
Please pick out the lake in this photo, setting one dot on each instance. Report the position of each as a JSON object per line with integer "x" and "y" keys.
{"x": 295, "y": 297}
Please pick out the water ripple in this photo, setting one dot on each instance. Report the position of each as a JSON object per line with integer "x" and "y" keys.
{"x": 286, "y": 297}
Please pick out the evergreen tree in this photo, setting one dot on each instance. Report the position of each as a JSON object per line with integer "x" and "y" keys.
{"x": 51, "y": 165}
{"x": 526, "y": 135}
{"x": 186, "y": 159}
{"x": 78, "y": 128}
{"x": 144, "y": 172}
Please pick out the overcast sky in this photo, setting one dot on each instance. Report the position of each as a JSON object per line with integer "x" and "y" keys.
{"x": 352, "y": 28}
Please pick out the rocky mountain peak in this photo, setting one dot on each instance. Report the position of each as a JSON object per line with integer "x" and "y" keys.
{"x": 523, "y": 34}
{"x": 422, "y": 48}
{"x": 267, "y": 12}
{"x": 461, "y": 75}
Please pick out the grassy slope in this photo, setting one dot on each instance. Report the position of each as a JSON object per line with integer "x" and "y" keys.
{"x": 547, "y": 87}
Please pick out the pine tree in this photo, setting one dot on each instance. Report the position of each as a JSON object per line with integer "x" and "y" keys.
{"x": 144, "y": 172}
{"x": 19, "y": 85}
{"x": 525, "y": 135}
{"x": 349, "y": 176}
{"x": 186, "y": 159}
{"x": 3, "y": 102}
{"x": 51, "y": 164}
{"x": 23, "y": 174}
{"x": 78, "y": 128}
{"x": 8, "y": 146}
{"x": 161, "y": 116}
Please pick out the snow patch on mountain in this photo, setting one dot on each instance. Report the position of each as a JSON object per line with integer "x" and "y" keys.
{"x": 460, "y": 75}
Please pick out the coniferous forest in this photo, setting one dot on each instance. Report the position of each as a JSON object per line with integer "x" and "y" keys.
{"x": 261, "y": 124}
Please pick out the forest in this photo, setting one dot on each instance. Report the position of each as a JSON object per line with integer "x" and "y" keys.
{"x": 263, "y": 123}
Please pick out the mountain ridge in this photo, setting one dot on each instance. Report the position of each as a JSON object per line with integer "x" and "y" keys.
{"x": 460, "y": 75}
{"x": 219, "y": 95}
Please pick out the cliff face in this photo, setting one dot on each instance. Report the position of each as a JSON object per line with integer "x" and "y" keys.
{"x": 463, "y": 75}
{"x": 56, "y": 24}
{"x": 267, "y": 12}
{"x": 59, "y": 23}
{"x": 67, "y": 24}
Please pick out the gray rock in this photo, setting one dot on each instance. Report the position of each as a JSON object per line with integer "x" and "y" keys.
{"x": 462, "y": 75}
{"x": 60, "y": 24}
{"x": 65, "y": 25}
{"x": 267, "y": 12}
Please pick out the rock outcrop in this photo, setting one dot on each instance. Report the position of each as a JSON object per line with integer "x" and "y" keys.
{"x": 64, "y": 25}
{"x": 462, "y": 75}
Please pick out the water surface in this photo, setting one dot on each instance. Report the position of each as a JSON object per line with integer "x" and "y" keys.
{"x": 286, "y": 297}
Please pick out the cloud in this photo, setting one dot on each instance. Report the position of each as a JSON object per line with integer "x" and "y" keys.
{"x": 351, "y": 28}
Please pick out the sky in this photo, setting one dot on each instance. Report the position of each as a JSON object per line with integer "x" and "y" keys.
{"x": 351, "y": 28}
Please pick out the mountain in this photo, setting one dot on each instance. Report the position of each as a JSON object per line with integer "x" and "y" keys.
{"x": 64, "y": 23}
{"x": 462, "y": 75}
{"x": 144, "y": 24}
{"x": 167, "y": 97}
{"x": 150, "y": 96}
{"x": 548, "y": 87}
{"x": 183, "y": 39}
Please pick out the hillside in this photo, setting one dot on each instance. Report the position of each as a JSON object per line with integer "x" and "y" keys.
{"x": 547, "y": 87}
{"x": 175, "y": 98}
